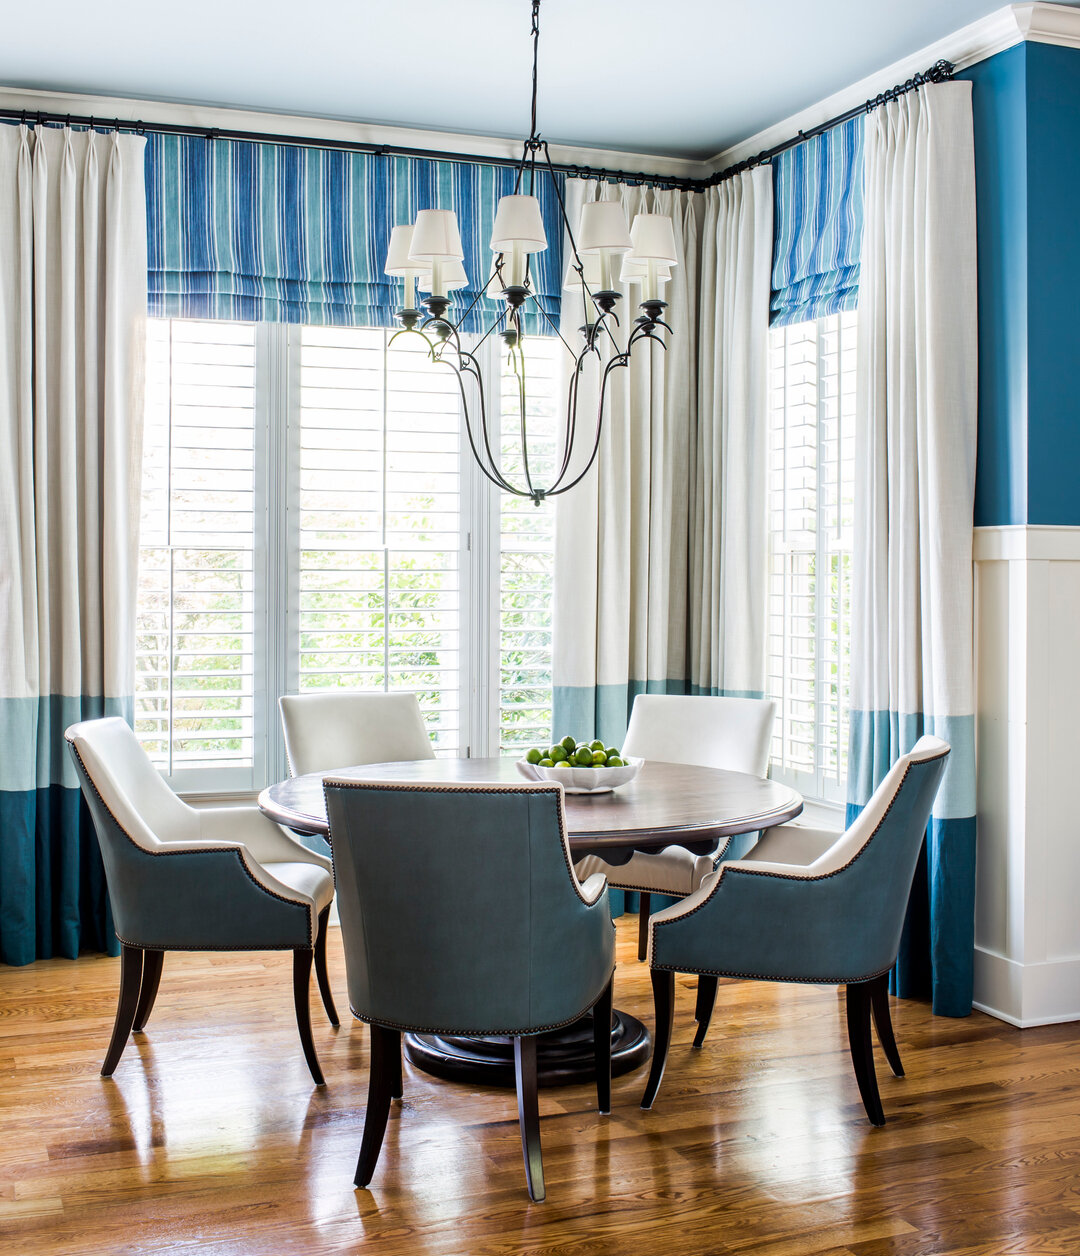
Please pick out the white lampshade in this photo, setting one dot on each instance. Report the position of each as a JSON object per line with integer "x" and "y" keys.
{"x": 603, "y": 227}
{"x": 590, "y": 264}
{"x": 436, "y": 238}
{"x": 397, "y": 255}
{"x": 518, "y": 221}
{"x": 653, "y": 237}
{"x": 453, "y": 276}
{"x": 636, "y": 270}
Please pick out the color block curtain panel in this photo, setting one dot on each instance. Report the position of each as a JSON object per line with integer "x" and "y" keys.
{"x": 729, "y": 459}
{"x": 620, "y": 605}
{"x": 290, "y": 234}
{"x": 818, "y": 225}
{"x": 72, "y": 313}
{"x": 911, "y": 648}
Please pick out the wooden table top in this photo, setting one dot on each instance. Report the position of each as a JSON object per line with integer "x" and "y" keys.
{"x": 666, "y": 803}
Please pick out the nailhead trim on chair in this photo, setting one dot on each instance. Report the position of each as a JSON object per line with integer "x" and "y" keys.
{"x": 202, "y": 850}
{"x": 483, "y": 1033}
{"x": 410, "y": 787}
{"x": 783, "y": 876}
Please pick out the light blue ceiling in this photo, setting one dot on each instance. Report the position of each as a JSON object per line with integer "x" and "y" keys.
{"x": 686, "y": 77}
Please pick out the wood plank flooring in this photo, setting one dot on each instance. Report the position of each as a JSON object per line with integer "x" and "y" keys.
{"x": 211, "y": 1139}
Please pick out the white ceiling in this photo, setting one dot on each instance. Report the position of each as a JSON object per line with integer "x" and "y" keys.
{"x": 685, "y": 77}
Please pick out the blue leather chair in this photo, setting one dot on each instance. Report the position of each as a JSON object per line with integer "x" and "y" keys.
{"x": 461, "y": 914}
{"x": 836, "y": 919}
{"x": 187, "y": 879}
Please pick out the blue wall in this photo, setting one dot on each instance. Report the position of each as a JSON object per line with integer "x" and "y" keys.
{"x": 1026, "y": 105}
{"x": 1053, "y": 132}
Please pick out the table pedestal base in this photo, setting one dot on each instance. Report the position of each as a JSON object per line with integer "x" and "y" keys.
{"x": 564, "y": 1056}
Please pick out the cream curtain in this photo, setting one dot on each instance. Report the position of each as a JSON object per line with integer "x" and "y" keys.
{"x": 912, "y": 635}
{"x": 729, "y": 456}
{"x": 620, "y": 607}
{"x": 72, "y": 311}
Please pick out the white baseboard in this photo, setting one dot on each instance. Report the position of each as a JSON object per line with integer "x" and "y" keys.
{"x": 1026, "y": 995}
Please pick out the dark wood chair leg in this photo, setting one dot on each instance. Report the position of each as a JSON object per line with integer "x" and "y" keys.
{"x": 528, "y": 1097}
{"x": 663, "y": 985}
{"x": 861, "y": 1046}
{"x": 385, "y": 1050}
{"x": 879, "y": 1002}
{"x": 151, "y": 979}
{"x": 602, "y": 1049}
{"x": 131, "y": 967}
{"x": 302, "y": 957}
{"x": 643, "y": 926}
{"x": 394, "y": 1066}
{"x": 706, "y": 1001}
{"x": 320, "y": 969}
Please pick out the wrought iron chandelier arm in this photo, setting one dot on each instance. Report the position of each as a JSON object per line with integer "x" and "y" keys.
{"x": 613, "y": 363}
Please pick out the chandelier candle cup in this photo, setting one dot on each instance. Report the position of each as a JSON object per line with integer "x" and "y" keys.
{"x": 432, "y": 254}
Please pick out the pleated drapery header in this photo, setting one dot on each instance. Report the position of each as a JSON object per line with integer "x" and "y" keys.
{"x": 817, "y": 228}
{"x": 287, "y": 233}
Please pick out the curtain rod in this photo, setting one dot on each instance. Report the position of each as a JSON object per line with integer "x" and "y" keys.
{"x": 939, "y": 72}
{"x": 35, "y": 117}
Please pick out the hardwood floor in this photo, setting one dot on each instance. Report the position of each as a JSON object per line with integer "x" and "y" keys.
{"x": 211, "y": 1138}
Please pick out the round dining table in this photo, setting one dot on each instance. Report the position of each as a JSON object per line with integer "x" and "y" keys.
{"x": 667, "y": 804}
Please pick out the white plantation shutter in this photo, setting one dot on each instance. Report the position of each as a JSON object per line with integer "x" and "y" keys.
{"x": 527, "y": 552}
{"x": 194, "y": 688}
{"x": 811, "y": 478}
{"x": 312, "y": 520}
{"x": 380, "y": 522}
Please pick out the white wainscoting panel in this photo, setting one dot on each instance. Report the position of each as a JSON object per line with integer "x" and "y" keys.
{"x": 1027, "y": 926}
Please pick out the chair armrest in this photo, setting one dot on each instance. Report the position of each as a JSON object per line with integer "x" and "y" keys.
{"x": 204, "y": 895}
{"x": 778, "y": 922}
{"x": 797, "y": 844}
{"x": 773, "y": 868}
{"x": 266, "y": 841}
{"x": 592, "y": 887}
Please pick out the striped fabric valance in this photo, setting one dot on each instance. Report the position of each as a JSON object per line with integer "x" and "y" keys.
{"x": 817, "y": 232}
{"x": 284, "y": 233}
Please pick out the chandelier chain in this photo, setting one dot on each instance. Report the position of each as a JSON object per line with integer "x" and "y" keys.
{"x": 536, "y": 59}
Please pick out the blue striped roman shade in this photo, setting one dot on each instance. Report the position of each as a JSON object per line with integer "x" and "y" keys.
{"x": 817, "y": 230}
{"x": 285, "y": 233}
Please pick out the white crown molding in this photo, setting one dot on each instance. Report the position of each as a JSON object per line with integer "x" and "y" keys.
{"x": 129, "y": 110}
{"x": 1005, "y": 28}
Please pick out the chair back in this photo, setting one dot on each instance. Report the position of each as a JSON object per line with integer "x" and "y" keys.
{"x": 730, "y": 733}
{"x": 113, "y": 764}
{"x": 460, "y": 911}
{"x": 327, "y": 731}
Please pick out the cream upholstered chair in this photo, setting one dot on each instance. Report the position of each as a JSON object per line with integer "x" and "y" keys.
{"x": 730, "y": 733}
{"x": 328, "y": 731}
{"x": 187, "y": 879}
{"x": 833, "y": 919}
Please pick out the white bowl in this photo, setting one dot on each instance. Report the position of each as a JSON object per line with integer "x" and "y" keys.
{"x": 583, "y": 780}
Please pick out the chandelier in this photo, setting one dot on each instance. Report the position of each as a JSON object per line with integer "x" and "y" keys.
{"x": 428, "y": 255}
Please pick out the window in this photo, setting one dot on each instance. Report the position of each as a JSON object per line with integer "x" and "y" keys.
{"x": 380, "y": 522}
{"x": 811, "y": 474}
{"x": 194, "y": 662}
{"x": 527, "y": 556}
{"x": 312, "y": 519}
